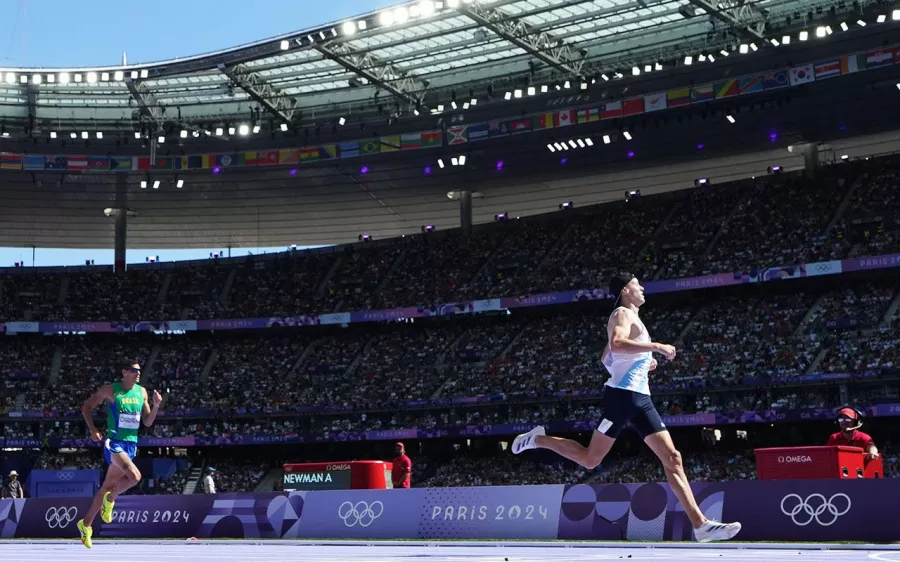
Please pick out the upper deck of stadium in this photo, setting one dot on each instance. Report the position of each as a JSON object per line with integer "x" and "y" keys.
{"x": 420, "y": 66}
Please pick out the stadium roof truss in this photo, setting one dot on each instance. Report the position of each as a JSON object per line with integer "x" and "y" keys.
{"x": 410, "y": 54}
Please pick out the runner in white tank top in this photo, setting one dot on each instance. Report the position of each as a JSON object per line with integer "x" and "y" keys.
{"x": 630, "y": 371}
{"x": 627, "y": 404}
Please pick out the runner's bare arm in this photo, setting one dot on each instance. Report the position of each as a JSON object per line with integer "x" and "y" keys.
{"x": 619, "y": 329}
{"x": 103, "y": 394}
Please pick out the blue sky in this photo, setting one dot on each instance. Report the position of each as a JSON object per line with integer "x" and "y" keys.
{"x": 67, "y": 33}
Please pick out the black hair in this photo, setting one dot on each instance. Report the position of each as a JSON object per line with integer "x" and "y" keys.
{"x": 618, "y": 282}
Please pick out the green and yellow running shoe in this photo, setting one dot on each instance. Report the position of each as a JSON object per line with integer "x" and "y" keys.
{"x": 107, "y": 509}
{"x": 86, "y": 533}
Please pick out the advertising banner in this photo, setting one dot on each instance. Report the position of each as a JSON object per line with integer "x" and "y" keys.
{"x": 792, "y": 510}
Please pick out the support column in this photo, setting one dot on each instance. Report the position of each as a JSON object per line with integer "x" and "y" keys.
{"x": 465, "y": 212}
{"x": 811, "y": 159}
{"x": 121, "y": 222}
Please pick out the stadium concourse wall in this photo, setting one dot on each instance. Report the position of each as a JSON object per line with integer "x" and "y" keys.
{"x": 789, "y": 510}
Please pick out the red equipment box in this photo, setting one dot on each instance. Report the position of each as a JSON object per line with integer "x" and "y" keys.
{"x": 815, "y": 463}
{"x": 349, "y": 475}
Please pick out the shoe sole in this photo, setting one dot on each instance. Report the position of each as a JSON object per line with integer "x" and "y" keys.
{"x": 727, "y": 537}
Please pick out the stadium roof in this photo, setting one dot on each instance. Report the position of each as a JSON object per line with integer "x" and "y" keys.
{"x": 389, "y": 63}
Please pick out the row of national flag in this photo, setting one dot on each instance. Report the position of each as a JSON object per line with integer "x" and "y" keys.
{"x": 701, "y": 93}
{"x": 459, "y": 134}
{"x": 407, "y": 141}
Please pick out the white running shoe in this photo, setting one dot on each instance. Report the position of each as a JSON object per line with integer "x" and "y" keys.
{"x": 715, "y": 531}
{"x": 526, "y": 440}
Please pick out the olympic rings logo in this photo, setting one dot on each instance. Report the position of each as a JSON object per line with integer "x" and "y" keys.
{"x": 360, "y": 513}
{"x": 816, "y": 508}
{"x": 65, "y": 475}
{"x": 60, "y": 517}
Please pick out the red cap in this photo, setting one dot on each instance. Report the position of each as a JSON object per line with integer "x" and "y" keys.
{"x": 399, "y": 444}
{"x": 849, "y": 412}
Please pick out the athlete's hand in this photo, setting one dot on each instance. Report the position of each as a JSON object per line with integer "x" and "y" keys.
{"x": 157, "y": 399}
{"x": 653, "y": 364}
{"x": 667, "y": 350}
{"x": 96, "y": 436}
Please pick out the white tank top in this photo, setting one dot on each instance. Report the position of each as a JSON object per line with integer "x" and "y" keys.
{"x": 630, "y": 371}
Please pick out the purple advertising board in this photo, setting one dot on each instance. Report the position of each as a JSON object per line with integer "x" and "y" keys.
{"x": 792, "y": 510}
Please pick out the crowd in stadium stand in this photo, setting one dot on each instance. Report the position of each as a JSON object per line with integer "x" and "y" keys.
{"x": 714, "y": 229}
{"x": 724, "y": 340}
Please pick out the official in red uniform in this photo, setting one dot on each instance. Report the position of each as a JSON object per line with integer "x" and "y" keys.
{"x": 850, "y": 420}
{"x": 402, "y": 470}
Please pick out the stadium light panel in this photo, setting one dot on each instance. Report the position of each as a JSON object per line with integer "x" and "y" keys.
{"x": 145, "y": 73}
{"x": 441, "y": 163}
{"x": 196, "y": 134}
{"x": 51, "y": 78}
{"x": 724, "y": 53}
{"x": 895, "y": 15}
{"x": 702, "y": 57}
{"x": 92, "y": 77}
{"x": 507, "y": 96}
{"x": 711, "y": 58}
{"x": 284, "y": 126}
{"x": 84, "y": 134}
{"x": 688, "y": 60}
{"x": 23, "y": 79}
{"x": 517, "y": 93}
{"x": 183, "y": 134}
{"x": 635, "y": 71}
{"x": 573, "y": 144}
{"x": 844, "y": 26}
{"x": 179, "y": 184}
{"x": 730, "y": 118}
{"x": 462, "y": 160}
{"x": 605, "y": 77}
{"x": 753, "y": 47}
{"x": 531, "y": 90}
{"x": 828, "y": 30}
{"x": 161, "y": 139}
{"x": 143, "y": 184}
{"x": 744, "y": 49}
{"x": 349, "y": 28}
{"x": 588, "y": 141}
{"x": 230, "y": 130}
{"x": 567, "y": 85}
{"x": 606, "y": 139}
{"x": 786, "y": 40}
{"x": 861, "y": 23}
{"x": 627, "y": 135}
{"x": 156, "y": 184}
{"x": 426, "y": 8}
{"x": 804, "y": 35}
{"x": 581, "y": 143}
{"x": 454, "y": 161}
{"x": 361, "y": 24}
{"x": 453, "y": 3}
{"x": 648, "y": 68}
{"x": 401, "y": 15}
{"x": 881, "y": 18}
{"x": 466, "y": 105}
{"x": 386, "y": 18}
{"x": 134, "y": 74}
{"x": 73, "y": 135}
{"x": 77, "y": 78}
{"x": 244, "y": 130}
{"x": 774, "y": 42}
{"x": 10, "y": 78}
{"x": 104, "y": 77}
{"x": 285, "y": 45}
{"x": 474, "y": 101}
{"x": 551, "y": 148}
{"x": 658, "y": 66}
{"x": 440, "y": 108}
{"x": 52, "y": 134}
{"x": 137, "y": 135}
{"x": 99, "y": 134}
{"x": 820, "y": 31}
{"x": 584, "y": 85}
{"x": 37, "y": 78}
{"x": 898, "y": 85}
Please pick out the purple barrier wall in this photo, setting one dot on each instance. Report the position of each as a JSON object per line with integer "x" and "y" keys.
{"x": 813, "y": 510}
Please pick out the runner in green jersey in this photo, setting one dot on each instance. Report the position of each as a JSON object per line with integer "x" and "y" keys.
{"x": 128, "y": 406}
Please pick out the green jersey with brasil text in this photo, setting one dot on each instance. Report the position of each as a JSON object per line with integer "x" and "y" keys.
{"x": 124, "y": 417}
